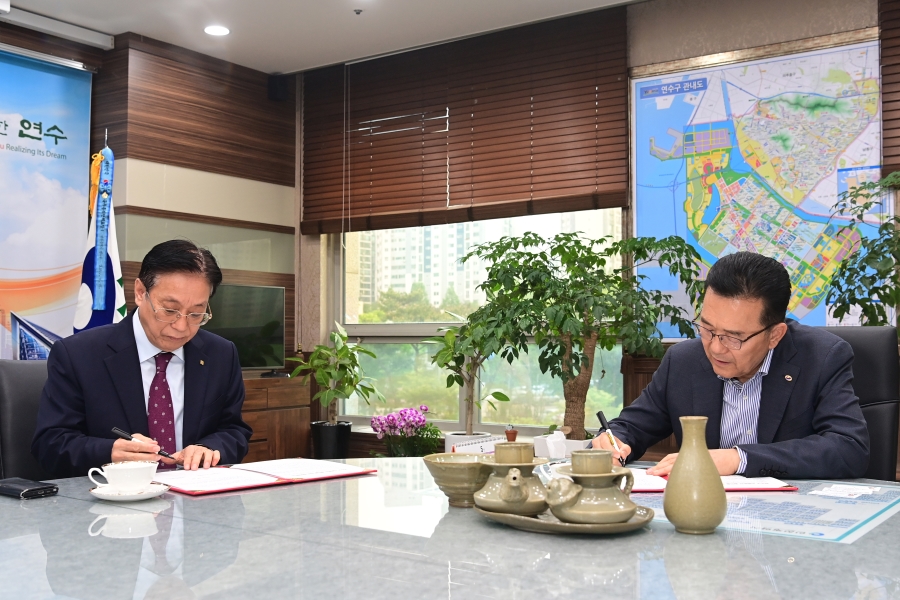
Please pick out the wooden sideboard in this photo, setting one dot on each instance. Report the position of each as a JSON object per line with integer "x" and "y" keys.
{"x": 278, "y": 411}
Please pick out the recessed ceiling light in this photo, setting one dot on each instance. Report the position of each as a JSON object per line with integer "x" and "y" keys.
{"x": 217, "y": 30}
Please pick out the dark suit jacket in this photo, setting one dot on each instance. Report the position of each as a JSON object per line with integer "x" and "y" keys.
{"x": 94, "y": 384}
{"x": 810, "y": 426}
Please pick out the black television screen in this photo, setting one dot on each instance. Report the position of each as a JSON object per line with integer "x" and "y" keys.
{"x": 252, "y": 317}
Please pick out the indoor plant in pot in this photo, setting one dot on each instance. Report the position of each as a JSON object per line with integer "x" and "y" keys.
{"x": 462, "y": 349}
{"x": 339, "y": 375}
{"x": 868, "y": 277}
{"x": 407, "y": 432}
{"x": 571, "y": 294}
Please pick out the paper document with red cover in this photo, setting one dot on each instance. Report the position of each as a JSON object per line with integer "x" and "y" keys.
{"x": 255, "y": 475}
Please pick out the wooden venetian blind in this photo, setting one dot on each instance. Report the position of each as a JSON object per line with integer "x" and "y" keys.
{"x": 528, "y": 120}
{"x": 889, "y": 21}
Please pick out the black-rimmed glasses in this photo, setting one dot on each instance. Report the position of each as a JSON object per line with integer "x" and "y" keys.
{"x": 729, "y": 341}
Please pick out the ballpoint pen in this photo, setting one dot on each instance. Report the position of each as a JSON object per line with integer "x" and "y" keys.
{"x": 127, "y": 436}
{"x": 612, "y": 439}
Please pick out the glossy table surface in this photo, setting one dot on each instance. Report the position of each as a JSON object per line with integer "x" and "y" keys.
{"x": 392, "y": 535}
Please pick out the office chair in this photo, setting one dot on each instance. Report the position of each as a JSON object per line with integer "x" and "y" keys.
{"x": 21, "y": 383}
{"x": 876, "y": 381}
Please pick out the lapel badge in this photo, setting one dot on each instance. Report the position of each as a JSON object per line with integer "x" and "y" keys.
{"x": 786, "y": 377}
{"x": 203, "y": 363}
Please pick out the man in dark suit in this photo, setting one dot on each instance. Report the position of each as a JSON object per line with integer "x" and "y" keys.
{"x": 156, "y": 375}
{"x": 778, "y": 394}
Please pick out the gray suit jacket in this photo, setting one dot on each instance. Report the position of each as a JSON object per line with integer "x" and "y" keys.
{"x": 810, "y": 426}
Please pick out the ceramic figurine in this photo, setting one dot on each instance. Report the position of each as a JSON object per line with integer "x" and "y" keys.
{"x": 694, "y": 500}
{"x": 596, "y": 496}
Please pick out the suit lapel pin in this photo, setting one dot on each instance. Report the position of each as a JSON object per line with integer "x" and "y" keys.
{"x": 203, "y": 363}
{"x": 786, "y": 377}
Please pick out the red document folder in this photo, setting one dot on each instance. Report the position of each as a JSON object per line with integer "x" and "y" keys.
{"x": 255, "y": 475}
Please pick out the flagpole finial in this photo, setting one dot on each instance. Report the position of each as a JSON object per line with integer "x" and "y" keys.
{"x": 105, "y": 137}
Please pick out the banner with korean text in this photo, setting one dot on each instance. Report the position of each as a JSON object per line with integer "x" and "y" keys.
{"x": 44, "y": 171}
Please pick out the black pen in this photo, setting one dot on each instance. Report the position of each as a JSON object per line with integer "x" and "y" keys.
{"x": 127, "y": 436}
{"x": 612, "y": 438}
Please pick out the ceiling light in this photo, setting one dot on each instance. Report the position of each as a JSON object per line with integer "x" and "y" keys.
{"x": 217, "y": 30}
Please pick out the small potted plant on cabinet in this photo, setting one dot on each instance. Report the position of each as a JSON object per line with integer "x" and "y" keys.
{"x": 339, "y": 375}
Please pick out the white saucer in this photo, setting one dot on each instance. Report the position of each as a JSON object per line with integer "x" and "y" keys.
{"x": 154, "y": 490}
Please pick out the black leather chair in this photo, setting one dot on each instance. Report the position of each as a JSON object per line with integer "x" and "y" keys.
{"x": 876, "y": 381}
{"x": 21, "y": 383}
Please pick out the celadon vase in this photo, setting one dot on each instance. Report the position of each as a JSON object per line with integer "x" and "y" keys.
{"x": 694, "y": 500}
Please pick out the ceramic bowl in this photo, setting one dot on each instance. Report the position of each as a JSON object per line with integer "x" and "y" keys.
{"x": 458, "y": 475}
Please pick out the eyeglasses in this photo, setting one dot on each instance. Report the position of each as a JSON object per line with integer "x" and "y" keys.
{"x": 729, "y": 341}
{"x": 170, "y": 315}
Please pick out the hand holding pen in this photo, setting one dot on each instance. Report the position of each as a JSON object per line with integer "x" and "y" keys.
{"x": 621, "y": 451}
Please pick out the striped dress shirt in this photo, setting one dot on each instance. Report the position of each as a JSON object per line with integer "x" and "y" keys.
{"x": 740, "y": 411}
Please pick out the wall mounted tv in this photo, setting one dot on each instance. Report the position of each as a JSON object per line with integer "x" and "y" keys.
{"x": 252, "y": 317}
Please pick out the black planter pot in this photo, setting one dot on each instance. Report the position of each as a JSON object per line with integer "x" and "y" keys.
{"x": 331, "y": 441}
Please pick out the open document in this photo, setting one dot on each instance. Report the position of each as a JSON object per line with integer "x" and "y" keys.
{"x": 254, "y": 475}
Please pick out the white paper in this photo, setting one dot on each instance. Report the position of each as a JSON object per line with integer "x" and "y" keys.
{"x": 211, "y": 480}
{"x": 300, "y": 468}
{"x": 647, "y": 483}
{"x": 739, "y": 482}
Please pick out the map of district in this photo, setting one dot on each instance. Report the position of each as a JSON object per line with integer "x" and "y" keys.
{"x": 753, "y": 156}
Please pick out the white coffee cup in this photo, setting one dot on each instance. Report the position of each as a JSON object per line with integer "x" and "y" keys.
{"x": 125, "y": 477}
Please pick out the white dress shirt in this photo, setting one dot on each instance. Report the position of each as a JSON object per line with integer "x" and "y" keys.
{"x": 740, "y": 411}
{"x": 174, "y": 375}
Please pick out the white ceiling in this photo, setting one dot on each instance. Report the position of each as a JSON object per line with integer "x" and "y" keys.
{"x": 285, "y": 36}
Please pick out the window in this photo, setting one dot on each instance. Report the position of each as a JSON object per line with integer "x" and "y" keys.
{"x": 399, "y": 285}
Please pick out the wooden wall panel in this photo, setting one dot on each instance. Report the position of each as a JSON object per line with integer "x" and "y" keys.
{"x": 130, "y": 270}
{"x": 169, "y": 105}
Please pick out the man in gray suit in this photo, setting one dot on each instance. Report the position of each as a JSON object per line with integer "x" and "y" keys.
{"x": 778, "y": 394}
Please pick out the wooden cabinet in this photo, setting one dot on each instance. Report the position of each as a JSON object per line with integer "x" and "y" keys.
{"x": 278, "y": 411}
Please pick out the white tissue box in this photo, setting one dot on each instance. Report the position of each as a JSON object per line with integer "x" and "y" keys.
{"x": 540, "y": 446}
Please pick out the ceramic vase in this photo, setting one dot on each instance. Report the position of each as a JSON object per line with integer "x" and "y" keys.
{"x": 694, "y": 500}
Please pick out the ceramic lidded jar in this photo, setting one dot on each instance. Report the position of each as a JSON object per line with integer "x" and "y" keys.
{"x": 597, "y": 495}
{"x": 694, "y": 500}
{"x": 513, "y": 487}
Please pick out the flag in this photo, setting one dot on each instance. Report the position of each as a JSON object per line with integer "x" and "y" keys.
{"x": 101, "y": 298}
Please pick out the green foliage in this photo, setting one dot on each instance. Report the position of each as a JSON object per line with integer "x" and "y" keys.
{"x": 567, "y": 290}
{"x": 868, "y": 277}
{"x": 338, "y": 371}
{"x": 461, "y": 350}
{"x": 415, "y": 307}
{"x": 427, "y": 440}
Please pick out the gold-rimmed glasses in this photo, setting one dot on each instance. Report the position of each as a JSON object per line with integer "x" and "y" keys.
{"x": 170, "y": 315}
{"x": 729, "y": 341}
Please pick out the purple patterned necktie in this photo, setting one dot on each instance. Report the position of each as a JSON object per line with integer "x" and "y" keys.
{"x": 160, "y": 414}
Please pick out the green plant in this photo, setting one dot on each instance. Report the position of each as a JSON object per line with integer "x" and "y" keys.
{"x": 337, "y": 371}
{"x": 868, "y": 277}
{"x": 462, "y": 349}
{"x": 572, "y": 294}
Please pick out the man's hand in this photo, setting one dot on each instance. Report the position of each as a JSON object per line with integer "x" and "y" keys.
{"x": 140, "y": 448}
{"x": 727, "y": 462}
{"x": 601, "y": 442}
{"x": 193, "y": 457}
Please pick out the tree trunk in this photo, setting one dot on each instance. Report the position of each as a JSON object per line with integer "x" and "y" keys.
{"x": 575, "y": 390}
{"x": 470, "y": 405}
{"x": 332, "y": 412}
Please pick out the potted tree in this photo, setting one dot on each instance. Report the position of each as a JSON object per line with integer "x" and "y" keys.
{"x": 462, "y": 349}
{"x": 868, "y": 277}
{"x": 339, "y": 375}
{"x": 571, "y": 294}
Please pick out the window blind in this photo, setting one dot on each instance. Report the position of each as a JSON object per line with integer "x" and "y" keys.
{"x": 523, "y": 121}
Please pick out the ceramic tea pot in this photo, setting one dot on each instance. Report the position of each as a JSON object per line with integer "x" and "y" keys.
{"x": 512, "y": 487}
{"x": 596, "y": 496}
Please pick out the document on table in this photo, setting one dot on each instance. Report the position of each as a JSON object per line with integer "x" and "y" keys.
{"x": 253, "y": 475}
{"x": 302, "y": 468}
{"x": 212, "y": 480}
{"x": 820, "y": 510}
